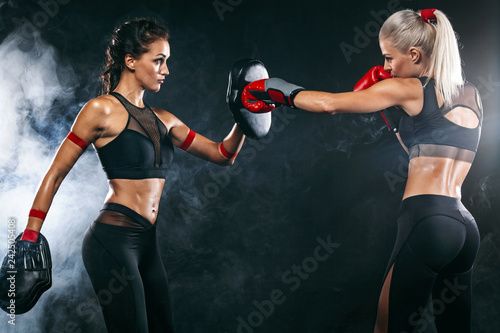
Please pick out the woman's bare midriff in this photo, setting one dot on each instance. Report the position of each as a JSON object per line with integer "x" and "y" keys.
{"x": 435, "y": 175}
{"x": 140, "y": 195}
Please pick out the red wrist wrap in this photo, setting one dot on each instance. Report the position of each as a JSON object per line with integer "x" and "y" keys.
{"x": 189, "y": 140}
{"x": 30, "y": 235}
{"x": 37, "y": 213}
{"x": 77, "y": 141}
{"x": 225, "y": 152}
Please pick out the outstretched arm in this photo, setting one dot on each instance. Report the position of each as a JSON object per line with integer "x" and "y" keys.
{"x": 394, "y": 92}
{"x": 404, "y": 93}
{"x": 221, "y": 153}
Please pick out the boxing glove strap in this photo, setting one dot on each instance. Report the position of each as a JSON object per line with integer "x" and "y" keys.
{"x": 282, "y": 91}
{"x": 37, "y": 213}
{"x": 189, "y": 140}
{"x": 77, "y": 140}
{"x": 225, "y": 152}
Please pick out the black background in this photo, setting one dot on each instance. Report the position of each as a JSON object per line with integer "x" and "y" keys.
{"x": 230, "y": 238}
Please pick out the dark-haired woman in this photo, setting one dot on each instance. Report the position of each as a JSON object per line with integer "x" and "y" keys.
{"x": 135, "y": 146}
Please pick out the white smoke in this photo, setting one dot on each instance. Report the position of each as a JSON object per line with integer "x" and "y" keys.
{"x": 30, "y": 133}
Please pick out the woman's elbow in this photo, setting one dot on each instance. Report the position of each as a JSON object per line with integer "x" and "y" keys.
{"x": 327, "y": 107}
{"x": 52, "y": 181}
{"x": 225, "y": 162}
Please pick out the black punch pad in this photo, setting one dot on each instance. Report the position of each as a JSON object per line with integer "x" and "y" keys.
{"x": 25, "y": 275}
{"x": 254, "y": 125}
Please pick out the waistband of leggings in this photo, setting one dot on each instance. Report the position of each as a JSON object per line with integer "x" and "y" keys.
{"x": 129, "y": 213}
{"x": 424, "y": 205}
{"x": 432, "y": 200}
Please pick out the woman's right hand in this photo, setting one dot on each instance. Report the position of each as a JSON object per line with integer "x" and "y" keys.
{"x": 258, "y": 96}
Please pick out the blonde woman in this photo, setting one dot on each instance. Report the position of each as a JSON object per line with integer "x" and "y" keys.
{"x": 437, "y": 239}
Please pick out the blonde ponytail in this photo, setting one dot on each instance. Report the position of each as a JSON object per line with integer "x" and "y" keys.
{"x": 445, "y": 63}
{"x": 406, "y": 29}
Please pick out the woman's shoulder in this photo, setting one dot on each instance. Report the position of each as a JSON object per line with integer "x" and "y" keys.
{"x": 406, "y": 93}
{"x": 412, "y": 81}
{"x": 164, "y": 115}
{"x": 168, "y": 119}
{"x": 101, "y": 106}
{"x": 160, "y": 111}
{"x": 401, "y": 84}
{"x": 103, "y": 103}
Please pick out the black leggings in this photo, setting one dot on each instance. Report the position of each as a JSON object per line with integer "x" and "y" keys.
{"x": 436, "y": 245}
{"x": 127, "y": 272}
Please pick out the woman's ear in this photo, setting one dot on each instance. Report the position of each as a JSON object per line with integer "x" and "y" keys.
{"x": 130, "y": 62}
{"x": 415, "y": 54}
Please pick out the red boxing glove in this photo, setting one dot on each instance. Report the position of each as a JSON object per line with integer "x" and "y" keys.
{"x": 374, "y": 75}
{"x": 260, "y": 96}
{"x": 254, "y": 104}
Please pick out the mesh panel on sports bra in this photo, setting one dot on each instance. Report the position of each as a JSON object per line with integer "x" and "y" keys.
{"x": 466, "y": 109}
{"x": 465, "y": 112}
{"x": 147, "y": 120}
{"x": 144, "y": 121}
{"x": 431, "y": 150}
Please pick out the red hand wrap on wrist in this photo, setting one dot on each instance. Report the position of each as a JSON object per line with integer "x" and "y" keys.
{"x": 37, "y": 213}
{"x": 189, "y": 140}
{"x": 77, "y": 140}
{"x": 30, "y": 235}
{"x": 428, "y": 15}
{"x": 225, "y": 152}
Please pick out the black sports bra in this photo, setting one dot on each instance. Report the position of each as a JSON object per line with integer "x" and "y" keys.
{"x": 431, "y": 133}
{"x": 142, "y": 150}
